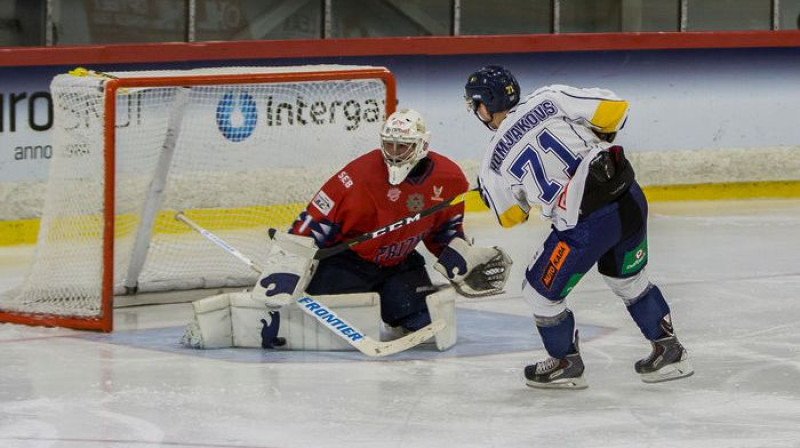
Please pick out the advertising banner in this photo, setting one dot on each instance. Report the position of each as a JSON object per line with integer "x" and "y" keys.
{"x": 679, "y": 99}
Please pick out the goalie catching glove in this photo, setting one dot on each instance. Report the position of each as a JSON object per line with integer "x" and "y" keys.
{"x": 289, "y": 267}
{"x": 474, "y": 271}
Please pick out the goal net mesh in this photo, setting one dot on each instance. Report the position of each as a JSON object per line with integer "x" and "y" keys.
{"x": 235, "y": 157}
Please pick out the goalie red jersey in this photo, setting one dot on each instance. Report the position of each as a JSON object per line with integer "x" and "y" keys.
{"x": 358, "y": 199}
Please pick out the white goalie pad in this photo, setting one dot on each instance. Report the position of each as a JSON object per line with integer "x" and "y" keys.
{"x": 442, "y": 305}
{"x": 249, "y": 319}
{"x": 288, "y": 270}
{"x": 303, "y": 332}
{"x": 236, "y": 320}
{"x": 211, "y": 326}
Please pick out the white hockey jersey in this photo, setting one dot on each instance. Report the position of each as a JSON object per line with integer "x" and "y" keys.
{"x": 541, "y": 152}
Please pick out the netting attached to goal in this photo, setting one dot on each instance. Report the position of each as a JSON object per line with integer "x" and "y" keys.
{"x": 239, "y": 150}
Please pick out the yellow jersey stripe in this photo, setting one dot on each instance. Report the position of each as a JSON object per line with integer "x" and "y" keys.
{"x": 608, "y": 115}
{"x": 513, "y": 216}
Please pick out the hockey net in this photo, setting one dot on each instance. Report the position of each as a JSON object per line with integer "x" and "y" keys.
{"x": 238, "y": 150}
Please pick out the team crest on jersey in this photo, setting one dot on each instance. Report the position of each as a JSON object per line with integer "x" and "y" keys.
{"x": 323, "y": 203}
{"x": 393, "y": 194}
{"x": 415, "y": 202}
{"x": 437, "y": 193}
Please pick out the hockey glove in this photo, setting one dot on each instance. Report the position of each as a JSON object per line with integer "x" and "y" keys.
{"x": 288, "y": 270}
{"x": 474, "y": 271}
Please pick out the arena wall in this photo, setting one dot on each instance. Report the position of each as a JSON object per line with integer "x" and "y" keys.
{"x": 712, "y": 114}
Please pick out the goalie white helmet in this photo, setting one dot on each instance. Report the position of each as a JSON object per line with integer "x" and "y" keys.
{"x": 404, "y": 142}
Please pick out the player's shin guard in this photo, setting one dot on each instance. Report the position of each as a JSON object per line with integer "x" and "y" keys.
{"x": 648, "y": 310}
{"x": 556, "y": 333}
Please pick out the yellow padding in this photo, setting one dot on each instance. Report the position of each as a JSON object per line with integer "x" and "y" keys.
{"x": 25, "y": 231}
{"x": 608, "y": 115}
{"x": 83, "y": 227}
{"x": 716, "y": 191}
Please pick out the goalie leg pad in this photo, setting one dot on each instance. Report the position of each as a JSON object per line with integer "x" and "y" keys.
{"x": 303, "y": 332}
{"x": 442, "y": 305}
{"x": 253, "y": 324}
{"x": 211, "y": 326}
{"x": 287, "y": 271}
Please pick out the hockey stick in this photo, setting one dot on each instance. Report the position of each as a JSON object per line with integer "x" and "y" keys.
{"x": 321, "y": 254}
{"x": 325, "y": 316}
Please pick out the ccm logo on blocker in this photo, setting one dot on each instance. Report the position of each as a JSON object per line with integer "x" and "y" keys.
{"x": 330, "y": 319}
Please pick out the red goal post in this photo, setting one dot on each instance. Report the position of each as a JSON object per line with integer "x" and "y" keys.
{"x": 308, "y": 132}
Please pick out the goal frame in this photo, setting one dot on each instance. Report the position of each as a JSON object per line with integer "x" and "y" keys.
{"x": 104, "y": 322}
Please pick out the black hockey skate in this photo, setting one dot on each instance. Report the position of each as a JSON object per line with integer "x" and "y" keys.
{"x": 667, "y": 361}
{"x": 554, "y": 373}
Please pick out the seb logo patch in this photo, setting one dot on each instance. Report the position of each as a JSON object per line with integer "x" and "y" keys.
{"x": 323, "y": 203}
{"x": 557, "y": 258}
{"x": 345, "y": 179}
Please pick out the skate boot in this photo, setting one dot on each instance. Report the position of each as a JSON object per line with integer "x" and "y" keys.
{"x": 554, "y": 373}
{"x": 668, "y": 361}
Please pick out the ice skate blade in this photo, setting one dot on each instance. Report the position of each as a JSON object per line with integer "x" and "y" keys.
{"x": 680, "y": 369}
{"x": 565, "y": 383}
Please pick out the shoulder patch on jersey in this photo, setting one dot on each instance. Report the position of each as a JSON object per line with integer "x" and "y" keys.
{"x": 323, "y": 202}
{"x": 345, "y": 178}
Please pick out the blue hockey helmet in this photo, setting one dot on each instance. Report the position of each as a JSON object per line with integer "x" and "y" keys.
{"x": 493, "y": 86}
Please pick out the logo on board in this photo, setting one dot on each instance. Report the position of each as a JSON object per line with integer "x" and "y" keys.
{"x": 237, "y": 116}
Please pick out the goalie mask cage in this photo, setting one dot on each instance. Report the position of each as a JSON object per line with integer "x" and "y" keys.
{"x": 238, "y": 150}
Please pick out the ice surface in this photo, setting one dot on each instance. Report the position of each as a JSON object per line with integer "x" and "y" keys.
{"x": 729, "y": 269}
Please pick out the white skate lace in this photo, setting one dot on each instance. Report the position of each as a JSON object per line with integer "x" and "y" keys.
{"x": 547, "y": 365}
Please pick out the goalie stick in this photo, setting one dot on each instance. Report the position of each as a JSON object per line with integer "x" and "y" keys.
{"x": 325, "y": 316}
{"x": 321, "y": 254}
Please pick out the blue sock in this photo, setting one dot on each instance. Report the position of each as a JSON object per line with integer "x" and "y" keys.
{"x": 557, "y": 338}
{"x": 647, "y": 312}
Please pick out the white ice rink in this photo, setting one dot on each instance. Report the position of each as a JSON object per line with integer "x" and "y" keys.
{"x": 729, "y": 269}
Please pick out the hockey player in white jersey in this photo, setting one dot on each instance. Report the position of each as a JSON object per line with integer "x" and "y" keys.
{"x": 553, "y": 149}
